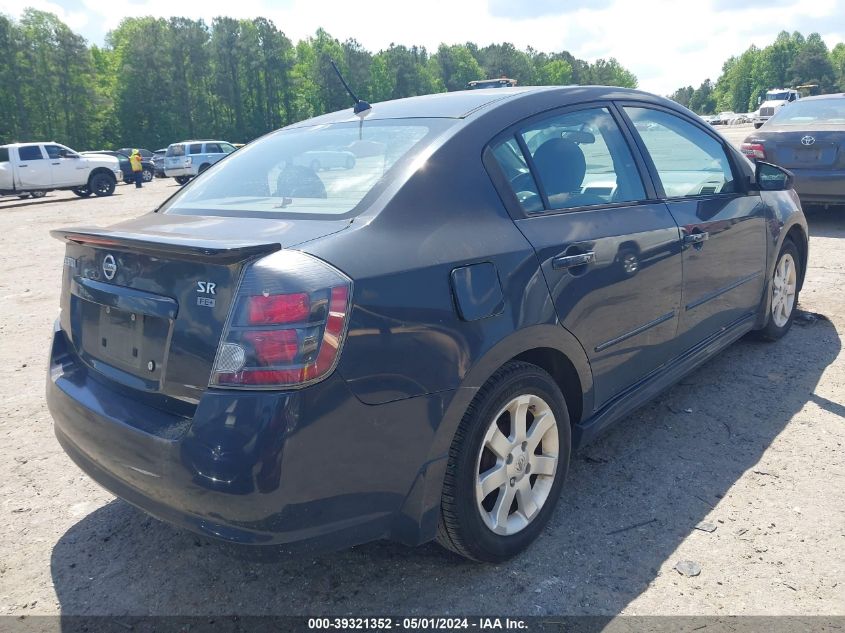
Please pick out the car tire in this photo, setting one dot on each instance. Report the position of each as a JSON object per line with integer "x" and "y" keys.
{"x": 101, "y": 184}
{"x": 518, "y": 504}
{"x": 82, "y": 192}
{"x": 757, "y": 126}
{"x": 783, "y": 291}
{"x": 37, "y": 194}
{"x": 202, "y": 168}
{"x": 182, "y": 179}
{"x": 148, "y": 175}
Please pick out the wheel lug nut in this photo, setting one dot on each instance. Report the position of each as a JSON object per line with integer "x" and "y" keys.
{"x": 513, "y": 481}
{"x": 527, "y": 468}
{"x": 524, "y": 445}
{"x": 509, "y": 460}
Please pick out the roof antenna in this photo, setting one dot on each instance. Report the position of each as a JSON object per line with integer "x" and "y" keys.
{"x": 361, "y": 107}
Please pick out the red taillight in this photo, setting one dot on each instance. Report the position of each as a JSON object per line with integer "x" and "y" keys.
{"x": 272, "y": 347}
{"x": 754, "y": 151}
{"x": 278, "y": 338}
{"x": 278, "y": 309}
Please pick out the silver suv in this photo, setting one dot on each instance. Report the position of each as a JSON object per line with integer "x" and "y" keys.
{"x": 188, "y": 159}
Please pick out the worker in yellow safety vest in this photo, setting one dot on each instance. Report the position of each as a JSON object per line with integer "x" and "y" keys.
{"x": 137, "y": 168}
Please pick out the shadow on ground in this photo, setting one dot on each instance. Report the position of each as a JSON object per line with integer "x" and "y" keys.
{"x": 664, "y": 468}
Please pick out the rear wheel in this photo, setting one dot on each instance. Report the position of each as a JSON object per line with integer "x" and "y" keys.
{"x": 148, "y": 175}
{"x": 182, "y": 179}
{"x": 507, "y": 464}
{"x": 757, "y": 126}
{"x": 203, "y": 167}
{"x": 102, "y": 184}
{"x": 783, "y": 292}
{"x": 38, "y": 194}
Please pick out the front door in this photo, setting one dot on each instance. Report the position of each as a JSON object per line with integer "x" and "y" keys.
{"x": 611, "y": 257}
{"x": 64, "y": 167}
{"x": 33, "y": 168}
{"x": 723, "y": 222}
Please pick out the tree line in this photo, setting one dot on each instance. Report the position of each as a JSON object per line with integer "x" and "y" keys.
{"x": 792, "y": 60}
{"x": 158, "y": 81}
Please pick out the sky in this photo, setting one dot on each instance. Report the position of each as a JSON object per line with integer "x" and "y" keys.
{"x": 666, "y": 43}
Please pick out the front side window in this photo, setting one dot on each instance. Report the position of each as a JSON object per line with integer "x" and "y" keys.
{"x": 213, "y": 148}
{"x": 30, "y": 152}
{"x": 689, "y": 162}
{"x": 577, "y": 159}
{"x": 4, "y": 154}
{"x": 227, "y": 149}
{"x": 322, "y": 171}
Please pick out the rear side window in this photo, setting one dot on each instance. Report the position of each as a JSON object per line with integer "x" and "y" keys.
{"x": 30, "y": 152}
{"x": 689, "y": 162}
{"x": 577, "y": 159}
{"x": 175, "y": 150}
{"x": 4, "y": 154}
{"x": 195, "y": 148}
{"x": 322, "y": 171}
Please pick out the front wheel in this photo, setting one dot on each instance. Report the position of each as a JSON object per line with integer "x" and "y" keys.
{"x": 82, "y": 192}
{"x": 102, "y": 185}
{"x": 507, "y": 464}
{"x": 182, "y": 179}
{"x": 783, "y": 293}
{"x": 757, "y": 126}
{"x": 148, "y": 175}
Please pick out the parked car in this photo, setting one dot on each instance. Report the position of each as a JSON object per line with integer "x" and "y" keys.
{"x": 188, "y": 159}
{"x": 808, "y": 138}
{"x": 723, "y": 118}
{"x": 412, "y": 348}
{"x": 35, "y": 168}
{"x": 125, "y": 165}
{"x": 145, "y": 153}
{"x": 158, "y": 162}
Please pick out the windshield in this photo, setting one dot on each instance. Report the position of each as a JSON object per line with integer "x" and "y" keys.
{"x": 320, "y": 171}
{"x": 811, "y": 111}
{"x": 777, "y": 96}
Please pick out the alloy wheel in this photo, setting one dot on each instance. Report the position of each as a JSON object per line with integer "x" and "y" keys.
{"x": 784, "y": 284}
{"x": 516, "y": 466}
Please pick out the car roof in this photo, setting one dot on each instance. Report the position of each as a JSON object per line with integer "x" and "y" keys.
{"x": 834, "y": 95}
{"x": 461, "y": 104}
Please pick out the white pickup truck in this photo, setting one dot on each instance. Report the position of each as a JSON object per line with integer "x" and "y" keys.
{"x": 39, "y": 167}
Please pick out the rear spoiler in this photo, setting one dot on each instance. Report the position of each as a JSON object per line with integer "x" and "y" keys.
{"x": 176, "y": 247}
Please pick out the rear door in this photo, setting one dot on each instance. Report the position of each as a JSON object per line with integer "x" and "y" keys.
{"x": 610, "y": 253}
{"x": 34, "y": 170}
{"x": 723, "y": 222}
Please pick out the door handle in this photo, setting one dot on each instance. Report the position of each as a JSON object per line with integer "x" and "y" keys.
{"x": 571, "y": 261}
{"x": 696, "y": 238}
{"x": 55, "y": 163}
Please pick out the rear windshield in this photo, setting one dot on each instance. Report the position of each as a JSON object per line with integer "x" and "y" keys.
{"x": 811, "y": 111}
{"x": 320, "y": 171}
{"x": 176, "y": 150}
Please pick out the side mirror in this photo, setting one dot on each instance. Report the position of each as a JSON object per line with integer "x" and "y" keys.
{"x": 772, "y": 178}
{"x": 63, "y": 153}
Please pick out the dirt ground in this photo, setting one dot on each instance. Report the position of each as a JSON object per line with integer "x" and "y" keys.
{"x": 751, "y": 444}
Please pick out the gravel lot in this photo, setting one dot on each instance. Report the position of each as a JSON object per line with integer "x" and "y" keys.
{"x": 751, "y": 443}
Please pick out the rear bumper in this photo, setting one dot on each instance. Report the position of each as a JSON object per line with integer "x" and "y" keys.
{"x": 314, "y": 467}
{"x": 820, "y": 186}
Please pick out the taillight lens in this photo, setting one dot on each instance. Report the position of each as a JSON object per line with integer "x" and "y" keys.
{"x": 754, "y": 151}
{"x": 287, "y": 324}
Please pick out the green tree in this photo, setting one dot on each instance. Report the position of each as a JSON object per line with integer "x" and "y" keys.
{"x": 812, "y": 65}
{"x": 455, "y": 66}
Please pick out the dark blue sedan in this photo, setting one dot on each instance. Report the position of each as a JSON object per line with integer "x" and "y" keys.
{"x": 412, "y": 347}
